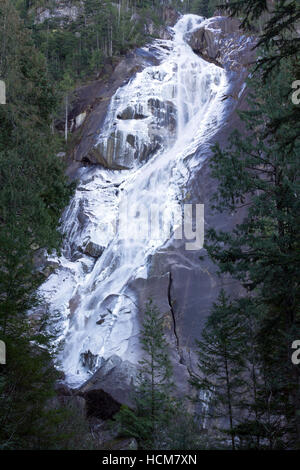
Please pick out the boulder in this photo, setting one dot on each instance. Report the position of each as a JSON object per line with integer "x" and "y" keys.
{"x": 130, "y": 113}
{"x": 100, "y": 405}
{"x": 114, "y": 377}
{"x": 93, "y": 249}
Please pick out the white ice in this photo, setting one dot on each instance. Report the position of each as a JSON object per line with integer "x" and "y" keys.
{"x": 82, "y": 292}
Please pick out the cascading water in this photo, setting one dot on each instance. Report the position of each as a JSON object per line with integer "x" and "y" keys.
{"x": 153, "y": 123}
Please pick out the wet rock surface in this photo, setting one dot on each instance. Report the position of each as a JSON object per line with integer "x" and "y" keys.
{"x": 93, "y": 250}
{"x": 181, "y": 285}
{"x": 94, "y": 100}
{"x": 221, "y": 40}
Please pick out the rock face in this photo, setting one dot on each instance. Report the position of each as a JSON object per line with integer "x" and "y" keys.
{"x": 112, "y": 384}
{"x": 93, "y": 250}
{"x": 61, "y": 10}
{"x": 93, "y": 101}
{"x": 220, "y": 40}
{"x": 105, "y": 307}
{"x": 193, "y": 285}
{"x": 90, "y": 103}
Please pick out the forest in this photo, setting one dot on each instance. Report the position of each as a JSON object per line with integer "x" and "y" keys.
{"x": 245, "y": 380}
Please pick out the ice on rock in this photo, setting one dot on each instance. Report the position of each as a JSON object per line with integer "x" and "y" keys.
{"x": 153, "y": 123}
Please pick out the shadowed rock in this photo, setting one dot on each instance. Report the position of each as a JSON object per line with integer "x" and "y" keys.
{"x": 114, "y": 377}
{"x": 221, "y": 41}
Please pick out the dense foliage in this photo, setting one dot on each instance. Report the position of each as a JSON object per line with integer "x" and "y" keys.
{"x": 246, "y": 382}
{"x": 259, "y": 172}
{"x": 93, "y": 33}
{"x": 159, "y": 420}
{"x": 33, "y": 192}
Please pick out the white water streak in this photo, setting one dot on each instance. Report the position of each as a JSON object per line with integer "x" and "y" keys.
{"x": 83, "y": 292}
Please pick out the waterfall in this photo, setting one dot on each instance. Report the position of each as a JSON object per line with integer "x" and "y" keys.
{"x": 153, "y": 123}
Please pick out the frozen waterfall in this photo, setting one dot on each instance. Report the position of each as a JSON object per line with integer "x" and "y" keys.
{"x": 153, "y": 123}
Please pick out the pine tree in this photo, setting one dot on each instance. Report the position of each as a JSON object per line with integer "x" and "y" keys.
{"x": 221, "y": 363}
{"x": 33, "y": 192}
{"x": 279, "y": 29}
{"x": 261, "y": 172}
{"x": 264, "y": 401}
{"x": 278, "y": 46}
{"x": 153, "y": 396}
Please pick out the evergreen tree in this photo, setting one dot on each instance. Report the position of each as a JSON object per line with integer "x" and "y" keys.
{"x": 221, "y": 364}
{"x": 278, "y": 46}
{"x": 33, "y": 192}
{"x": 279, "y": 28}
{"x": 261, "y": 172}
{"x": 203, "y": 7}
{"x": 153, "y": 396}
{"x": 264, "y": 401}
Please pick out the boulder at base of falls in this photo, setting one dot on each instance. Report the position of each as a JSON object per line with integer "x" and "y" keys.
{"x": 115, "y": 379}
{"x": 221, "y": 41}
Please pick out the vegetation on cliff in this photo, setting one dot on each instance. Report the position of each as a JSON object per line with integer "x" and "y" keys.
{"x": 246, "y": 380}
{"x": 260, "y": 172}
{"x": 33, "y": 192}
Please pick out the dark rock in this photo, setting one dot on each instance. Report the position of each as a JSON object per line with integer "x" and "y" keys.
{"x": 130, "y": 113}
{"x": 221, "y": 41}
{"x": 94, "y": 250}
{"x": 95, "y": 156}
{"x": 131, "y": 139}
{"x": 77, "y": 402}
{"x": 88, "y": 359}
{"x": 115, "y": 377}
{"x": 100, "y": 404}
{"x": 63, "y": 390}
